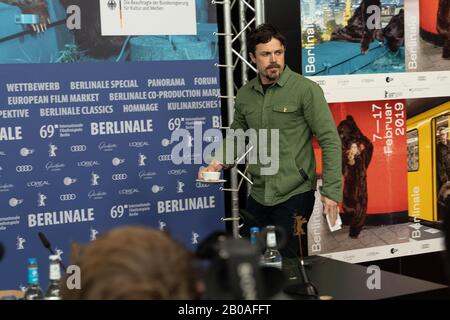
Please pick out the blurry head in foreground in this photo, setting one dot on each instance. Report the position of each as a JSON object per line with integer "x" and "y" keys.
{"x": 134, "y": 263}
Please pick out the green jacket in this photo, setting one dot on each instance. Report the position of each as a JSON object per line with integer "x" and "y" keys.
{"x": 297, "y": 107}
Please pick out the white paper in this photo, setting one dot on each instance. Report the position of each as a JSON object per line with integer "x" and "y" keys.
{"x": 337, "y": 224}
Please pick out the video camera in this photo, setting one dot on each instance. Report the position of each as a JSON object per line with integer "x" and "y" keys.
{"x": 234, "y": 271}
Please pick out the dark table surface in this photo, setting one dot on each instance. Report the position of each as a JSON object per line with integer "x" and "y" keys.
{"x": 344, "y": 281}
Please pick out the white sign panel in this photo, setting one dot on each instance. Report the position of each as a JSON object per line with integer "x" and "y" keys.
{"x": 384, "y": 86}
{"x": 147, "y": 17}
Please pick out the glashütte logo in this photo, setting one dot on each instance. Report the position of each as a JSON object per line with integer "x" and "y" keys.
{"x": 69, "y": 181}
{"x": 88, "y": 163}
{"x": 96, "y": 195}
{"x": 156, "y": 188}
{"x": 38, "y": 184}
{"x": 104, "y": 146}
{"x": 24, "y": 152}
{"x": 24, "y": 168}
{"x": 67, "y": 197}
{"x": 119, "y": 176}
{"x": 6, "y": 187}
{"x": 13, "y": 202}
{"x": 177, "y": 172}
{"x": 201, "y": 185}
{"x": 117, "y": 162}
{"x": 50, "y": 166}
{"x": 78, "y": 148}
{"x": 138, "y": 144}
{"x": 146, "y": 174}
{"x": 128, "y": 192}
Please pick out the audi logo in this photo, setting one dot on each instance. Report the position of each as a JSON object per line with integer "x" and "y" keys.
{"x": 78, "y": 148}
{"x": 119, "y": 176}
{"x": 25, "y": 168}
{"x": 165, "y": 157}
{"x": 68, "y": 197}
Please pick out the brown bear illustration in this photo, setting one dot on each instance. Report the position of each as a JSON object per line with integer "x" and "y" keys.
{"x": 357, "y": 153}
{"x": 358, "y": 30}
{"x": 394, "y": 32}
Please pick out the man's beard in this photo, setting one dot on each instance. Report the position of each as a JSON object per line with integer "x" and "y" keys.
{"x": 274, "y": 75}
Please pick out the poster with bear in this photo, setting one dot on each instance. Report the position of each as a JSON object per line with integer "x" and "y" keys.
{"x": 373, "y": 137}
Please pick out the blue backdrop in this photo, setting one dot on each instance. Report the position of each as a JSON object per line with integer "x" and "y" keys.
{"x": 85, "y": 146}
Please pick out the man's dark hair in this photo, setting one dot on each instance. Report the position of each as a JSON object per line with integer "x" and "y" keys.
{"x": 263, "y": 34}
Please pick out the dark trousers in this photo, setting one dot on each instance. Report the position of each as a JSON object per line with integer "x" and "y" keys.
{"x": 282, "y": 215}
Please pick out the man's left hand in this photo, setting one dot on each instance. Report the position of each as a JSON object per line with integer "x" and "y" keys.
{"x": 330, "y": 207}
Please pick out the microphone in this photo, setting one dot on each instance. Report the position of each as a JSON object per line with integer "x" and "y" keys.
{"x": 234, "y": 271}
{"x": 305, "y": 287}
{"x": 48, "y": 246}
{"x": 45, "y": 242}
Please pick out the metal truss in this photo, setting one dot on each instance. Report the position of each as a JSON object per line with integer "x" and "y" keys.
{"x": 250, "y": 14}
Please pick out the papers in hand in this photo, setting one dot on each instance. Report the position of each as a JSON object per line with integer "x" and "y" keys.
{"x": 337, "y": 224}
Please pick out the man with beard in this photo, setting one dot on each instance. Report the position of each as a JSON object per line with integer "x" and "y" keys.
{"x": 281, "y": 99}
